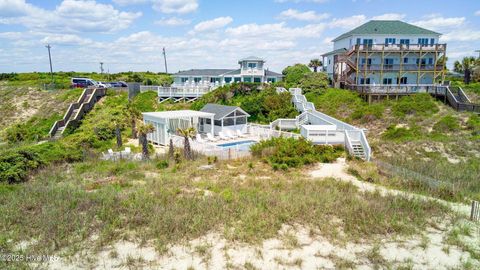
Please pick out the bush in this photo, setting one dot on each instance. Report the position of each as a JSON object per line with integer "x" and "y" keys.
{"x": 264, "y": 106}
{"x": 293, "y": 74}
{"x": 473, "y": 124}
{"x": 401, "y": 133}
{"x": 36, "y": 128}
{"x": 283, "y": 153}
{"x": 447, "y": 123}
{"x": 316, "y": 82}
{"x": 16, "y": 163}
{"x": 418, "y": 104}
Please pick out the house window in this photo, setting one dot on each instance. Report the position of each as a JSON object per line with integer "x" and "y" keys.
{"x": 228, "y": 121}
{"x": 403, "y": 80}
{"x": 214, "y": 80}
{"x": 197, "y": 79}
{"x": 218, "y": 122}
{"x": 241, "y": 120}
{"x": 329, "y": 61}
{"x": 423, "y": 62}
{"x": 247, "y": 79}
{"x": 184, "y": 79}
{"x": 363, "y": 81}
{"x": 368, "y": 61}
{"x": 236, "y": 79}
{"x": 405, "y": 41}
{"x": 432, "y": 41}
{"x": 368, "y": 42}
{"x": 405, "y": 60}
{"x": 390, "y": 41}
{"x": 228, "y": 79}
{"x": 257, "y": 80}
{"x": 208, "y": 121}
{"x": 271, "y": 80}
{"x": 423, "y": 41}
{"x": 359, "y": 41}
{"x": 388, "y": 61}
{"x": 387, "y": 80}
{"x": 252, "y": 65}
{"x": 430, "y": 61}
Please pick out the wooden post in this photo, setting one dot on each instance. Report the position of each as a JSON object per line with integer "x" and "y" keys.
{"x": 475, "y": 212}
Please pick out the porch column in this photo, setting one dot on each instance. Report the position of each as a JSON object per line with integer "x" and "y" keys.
{"x": 212, "y": 126}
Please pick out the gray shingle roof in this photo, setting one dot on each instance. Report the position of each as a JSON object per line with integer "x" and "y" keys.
{"x": 251, "y": 58}
{"x": 341, "y": 50}
{"x": 377, "y": 27}
{"x": 204, "y": 72}
{"x": 220, "y": 111}
{"x": 271, "y": 73}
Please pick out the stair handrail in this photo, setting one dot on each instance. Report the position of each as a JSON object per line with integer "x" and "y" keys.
{"x": 85, "y": 106}
{"x": 67, "y": 114}
{"x": 348, "y": 142}
{"x": 366, "y": 146}
{"x": 462, "y": 93}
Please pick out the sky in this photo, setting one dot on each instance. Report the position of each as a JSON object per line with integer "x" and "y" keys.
{"x": 128, "y": 35}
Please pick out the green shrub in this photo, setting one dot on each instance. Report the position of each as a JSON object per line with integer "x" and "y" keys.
{"x": 283, "y": 153}
{"x": 16, "y": 163}
{"x": 147, "y": 102}
{"x": 447, "y": 123}
{"x": 264, "y": 106}
{"x": 315, "y": 82}
{"x": 163, "y": 164}
{"x": 473, "y": 124}
{"x": 401, "y": 133}
{"x": 293, "y": 74}
{"x": 34, "y": 129}
{"x": 418, "y": 104}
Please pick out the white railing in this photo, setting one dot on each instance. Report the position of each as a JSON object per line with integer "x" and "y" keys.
{"x": 264, "y": 132}
{"x": 207, "y": 149}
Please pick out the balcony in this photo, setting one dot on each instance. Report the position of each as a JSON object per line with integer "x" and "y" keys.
{"x": 399, "y": 47}
{"x": 398, "y": 67}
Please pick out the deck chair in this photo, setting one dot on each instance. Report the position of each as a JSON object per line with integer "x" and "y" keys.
{"x": 211, "y": 138}
{"x": 240, "y": 134}
{"x": 222, "y": 136}
{"x": 199, "y": 138}
{"x": 230, "y": 134}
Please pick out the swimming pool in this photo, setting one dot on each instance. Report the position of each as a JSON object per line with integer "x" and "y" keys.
{"x": 240, "y": 145}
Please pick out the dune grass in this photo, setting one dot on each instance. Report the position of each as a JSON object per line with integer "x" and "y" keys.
{"x": 63, "y": 207}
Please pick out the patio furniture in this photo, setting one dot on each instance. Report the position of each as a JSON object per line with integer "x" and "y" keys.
{"x": 211, "y": 138}
{"x": 222, "y": 136}
{"x": 199, "y": 138}
{"x": 240, "y": 134}
{"x": 230, "y": 134}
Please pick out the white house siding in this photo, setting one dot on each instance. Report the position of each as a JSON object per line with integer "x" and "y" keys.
{"x": 159, "y": 135}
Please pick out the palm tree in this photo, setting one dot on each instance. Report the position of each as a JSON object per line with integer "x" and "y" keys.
{"x": 466, "y": 67}
{"x": 144, "y": 129}
{"x": 187, "y": 133}
{"x": 315, "y": 63}
{"x": 132, "y": 114}
{"x": 118, "y": 133}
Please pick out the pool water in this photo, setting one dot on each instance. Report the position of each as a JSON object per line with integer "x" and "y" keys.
{"x": 240, "y": 145}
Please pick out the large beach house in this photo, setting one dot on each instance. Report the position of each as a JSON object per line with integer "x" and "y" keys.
{"x": 191, "y": 84}
{"x": 252, "y": 69}
{"x": 386, "y": 53}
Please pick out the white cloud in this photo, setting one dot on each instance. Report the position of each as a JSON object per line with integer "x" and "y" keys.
{"x": 175, "y": 6}
{"x": 173, "y": 21}
{"x": 437, "y": 22}
{"x": 302, "y": 16}
{"x": 130, "y": 2}
{"x": 212, "y": 24}
{"x": 74, "y": 16}
{"x": 389, "y": 16}
{"x": 13, "y": 8}
{"x": 477, "y": 13}
{"x": 461, "y": 35}
{"x": 277, "y": 31}
{"x": 348, "y": 22}
{"x": 66, "y": 39}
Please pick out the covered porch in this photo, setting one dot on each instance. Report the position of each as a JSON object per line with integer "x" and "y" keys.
{"x": 227, "y": 118}
{"x": 167, "y": 123}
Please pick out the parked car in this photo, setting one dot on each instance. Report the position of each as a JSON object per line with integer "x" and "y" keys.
{"x": 84, "y": 83}
{"x": 105, "y": 84}
{"x": 118, "y": 84}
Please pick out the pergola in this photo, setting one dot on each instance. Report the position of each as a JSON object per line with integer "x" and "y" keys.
{"x": 166, "y": 123}
{"x": 231, "y": 117}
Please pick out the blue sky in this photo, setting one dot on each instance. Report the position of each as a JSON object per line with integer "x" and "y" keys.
{"x": 130, "y": 34}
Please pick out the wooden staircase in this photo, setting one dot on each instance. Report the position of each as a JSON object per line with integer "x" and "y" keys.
{"x": 76, "y": 111}
{"x": 358, "y": 150}
{"x": 460, "y": 101}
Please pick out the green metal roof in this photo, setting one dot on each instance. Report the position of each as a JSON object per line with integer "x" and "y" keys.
{"x": 376, "y": 27}
{"x": 337, "y": 51}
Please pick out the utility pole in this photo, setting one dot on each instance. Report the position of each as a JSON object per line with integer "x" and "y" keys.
{"x": 478, "y": 53}
{"x": 50, "y": 59}
{"x": 165, "y": 58}
{"x": 101, "y": 68}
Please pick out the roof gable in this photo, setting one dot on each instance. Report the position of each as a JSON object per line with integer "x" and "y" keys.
{"x": 377, "y": 27}
{"x": 203, "y": 72}
{"x": 221, "y": 111}
{"x": 251, "y": 58}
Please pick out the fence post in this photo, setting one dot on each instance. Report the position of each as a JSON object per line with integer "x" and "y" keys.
{"x": 475, "y": 212}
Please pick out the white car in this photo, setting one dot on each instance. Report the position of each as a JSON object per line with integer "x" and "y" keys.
{"x": 104, "y": 85}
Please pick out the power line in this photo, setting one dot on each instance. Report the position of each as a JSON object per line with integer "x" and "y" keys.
{"x": 50, "y": 59}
